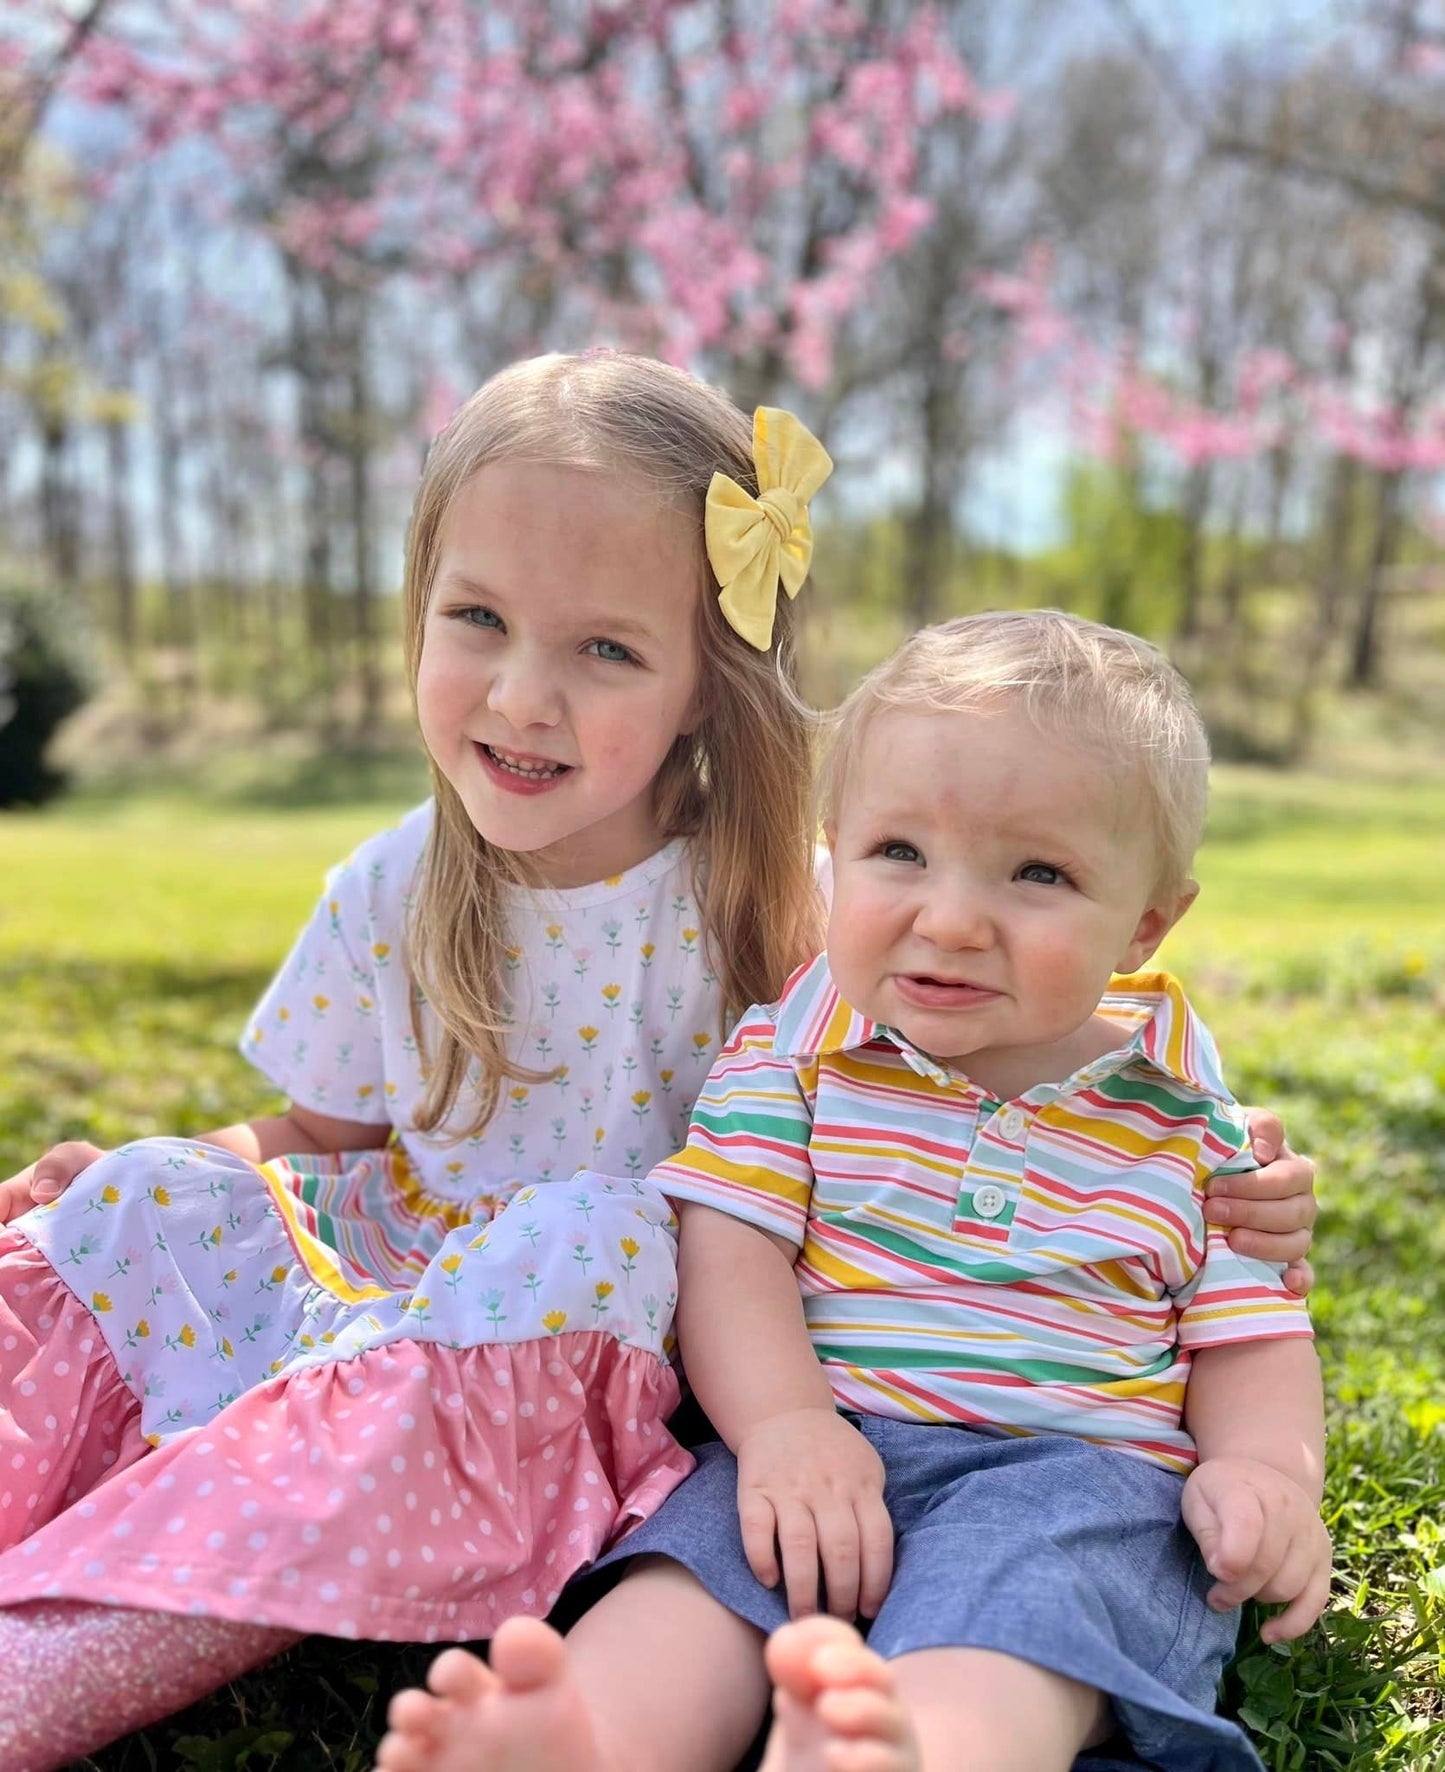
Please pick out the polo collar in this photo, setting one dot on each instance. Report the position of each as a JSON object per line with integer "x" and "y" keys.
{"x": 814, "y": 1021}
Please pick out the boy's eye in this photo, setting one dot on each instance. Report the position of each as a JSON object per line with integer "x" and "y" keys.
{"x": 899, "y": 852}
{"x": 1043, "y": 873}
{"x": 476, "y": 615}
{"x": 609, "y": 651}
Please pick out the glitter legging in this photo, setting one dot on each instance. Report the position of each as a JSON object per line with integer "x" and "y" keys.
{"x": 78, "y": 1675}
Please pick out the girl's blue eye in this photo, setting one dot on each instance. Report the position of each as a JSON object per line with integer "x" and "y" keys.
{"x": 476, "y": 616}
{"x": 1040, "y": 873}
{"x": 609, "y": 651}
{"x": 899, "y": 852}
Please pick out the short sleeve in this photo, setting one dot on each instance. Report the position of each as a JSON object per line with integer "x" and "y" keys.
{"x": 1232, "y": 1297}
{"x": 747, "y": 1145}
{"x": 316, "y": 1033}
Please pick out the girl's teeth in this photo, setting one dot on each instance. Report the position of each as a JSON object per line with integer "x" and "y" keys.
{"x": 528, "y": 771}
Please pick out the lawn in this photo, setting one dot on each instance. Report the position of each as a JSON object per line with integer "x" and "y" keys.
{"x": 136, "y": 929}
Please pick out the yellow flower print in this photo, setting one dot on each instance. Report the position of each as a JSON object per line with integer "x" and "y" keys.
{"x": 665, "y": 1078}
{"x": 604, "y": 1288}
{"x": 553, "y": 1321}
{"x": 479, "y": 1241}
{"x": 629, "y": 1246}
{"x": 308, "y": 1342}
{"x": 689, "y": 936}
{"x": 160, "y": 1195}
{"x": 99, "y": 1302}
{"x": 455, "y": 1167}
{"x": 363, "y": 1090}
{"x": 599, "y": 1137}
{"x": 702, "y": 1042}
{"x": 415, "y": 1303}
{"x": 326, "y": 1339}
{"x": 380, "y": 951}
{"x": 365, "y": 1005}
{"x": 227, "y": 1349}
{"x": 187, "y": 1336}
{"x": 610, "y": 994}
{"x": 588, "y": 1037}
{"x": 152, "y": 1439}
{"x": 450, "y": 1263}
{"x": 278, "y": 1274}
{"x": 283, "y": 1013}
{"x": 554, "y": 931}
{"x": 109, "y": 1194}
{"x": 641, "y": 1097}
{"x": 648, "y": 950}
{"x": 320, "y": 1004}
{"x": 142, "y": 1329}
{"x": 513, "y": 954}
{"x": 276, "y": 1366}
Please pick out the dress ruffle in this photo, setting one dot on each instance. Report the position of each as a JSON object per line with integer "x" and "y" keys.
{"x": 416, "y": 1492}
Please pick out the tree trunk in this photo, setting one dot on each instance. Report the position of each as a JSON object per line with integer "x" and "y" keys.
{"x": 1365, "y": 648}
{"x": 122, "y": 535}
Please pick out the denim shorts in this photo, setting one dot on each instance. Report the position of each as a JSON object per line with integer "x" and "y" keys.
{"x": 1046, "y": 1548}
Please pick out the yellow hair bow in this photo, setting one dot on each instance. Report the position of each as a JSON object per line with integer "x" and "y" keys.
{"x": 752, "y": 543}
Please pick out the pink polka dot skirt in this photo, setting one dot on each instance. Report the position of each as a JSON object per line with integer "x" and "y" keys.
{"x": 401, "y": 1489}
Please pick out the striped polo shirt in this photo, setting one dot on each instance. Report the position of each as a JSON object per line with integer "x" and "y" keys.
{"x": 1040, "y": 1265}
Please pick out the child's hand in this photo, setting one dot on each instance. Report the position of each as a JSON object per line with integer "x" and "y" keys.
{"x": 1261, "y": 1537}
{"x": 1269, "y": 1210}
{"x": 46, "y": 1178}
{"x": 810, "y": 1486}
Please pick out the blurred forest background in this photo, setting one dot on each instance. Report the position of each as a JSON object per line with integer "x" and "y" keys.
{"x": 1135, "y": 307}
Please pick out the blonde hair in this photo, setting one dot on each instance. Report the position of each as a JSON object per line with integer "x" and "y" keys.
{"x": 1099, "y": 686}
{"x": 738, "y": 784}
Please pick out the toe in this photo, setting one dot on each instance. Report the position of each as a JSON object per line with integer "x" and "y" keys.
{"x": 526, "y": 1654}
{"x": 460, "y": 1676}
{"x": 411, "y": 1712}
{"x": 858, "y": 1711}
{"x": 403, "y": 1753}
{"x": 792, "y": 1652}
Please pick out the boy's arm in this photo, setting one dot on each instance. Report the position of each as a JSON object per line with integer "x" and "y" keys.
{"x": 1256, "y": 1411}
{"x": 810, "y": 1487}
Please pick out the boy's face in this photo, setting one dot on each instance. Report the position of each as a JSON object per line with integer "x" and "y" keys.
{"x": 988, "y": 878}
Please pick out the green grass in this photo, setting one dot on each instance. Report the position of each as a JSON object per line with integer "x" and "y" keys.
{"x": 136, "y": 928}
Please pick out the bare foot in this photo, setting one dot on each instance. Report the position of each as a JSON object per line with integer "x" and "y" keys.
{"x": 835, "y": 1705}
{"x": 521, "y": 1714}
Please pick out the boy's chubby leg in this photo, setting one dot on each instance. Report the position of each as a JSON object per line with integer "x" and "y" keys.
{"x": 657, "y": 1677}
{"x": 841, "y": 1708}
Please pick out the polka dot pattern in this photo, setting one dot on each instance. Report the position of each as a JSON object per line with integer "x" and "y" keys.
{"x": 68, "y": 1420}
{"x": 390, "y": 1502}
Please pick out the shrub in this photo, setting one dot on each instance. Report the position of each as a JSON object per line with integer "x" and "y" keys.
{"x": 42, "y": 679}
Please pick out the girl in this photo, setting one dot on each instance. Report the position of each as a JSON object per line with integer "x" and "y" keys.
{"x": 309, "y": 1375}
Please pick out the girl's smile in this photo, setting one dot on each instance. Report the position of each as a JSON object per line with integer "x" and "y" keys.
{"x": 516, "y": 773}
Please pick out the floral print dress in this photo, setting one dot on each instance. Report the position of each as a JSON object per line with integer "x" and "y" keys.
{"x": 401, "y": 1392}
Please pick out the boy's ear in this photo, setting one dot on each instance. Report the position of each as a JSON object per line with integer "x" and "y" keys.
{"x": 1155, "y": 924}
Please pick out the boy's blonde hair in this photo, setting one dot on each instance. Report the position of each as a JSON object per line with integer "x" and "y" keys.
{"x": 1097, "y": 686}
{"x": 738, "y": 784}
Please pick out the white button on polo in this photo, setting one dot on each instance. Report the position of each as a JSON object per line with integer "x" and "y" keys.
{"x": 1012, "y": 1123}
{"x": 988, "y": 1201}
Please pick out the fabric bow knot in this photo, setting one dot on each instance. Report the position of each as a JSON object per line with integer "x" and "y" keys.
{"x": 754, "y": 543}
